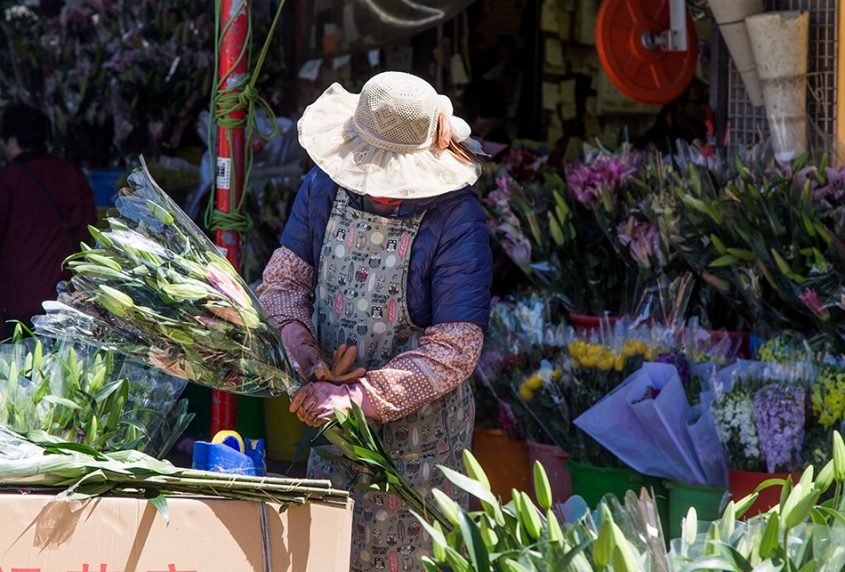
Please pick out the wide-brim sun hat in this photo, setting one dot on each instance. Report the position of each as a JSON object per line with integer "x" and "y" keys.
{"x": 397, "y": 139}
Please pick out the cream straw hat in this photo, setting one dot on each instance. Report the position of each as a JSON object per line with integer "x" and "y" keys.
{"x": 396, "y": 139}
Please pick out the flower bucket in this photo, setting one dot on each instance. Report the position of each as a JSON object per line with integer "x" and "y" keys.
{"x": 505, "y": 461}
{"x": 592, "y": 483}
{"x": 553, "y": 459}
{"x": 742, "y": 483}
{"x": 283, "y": 430}
{"x": 779, "y": 41}
{"x": 706, "y": 500}
{"x": 730, "y": 15}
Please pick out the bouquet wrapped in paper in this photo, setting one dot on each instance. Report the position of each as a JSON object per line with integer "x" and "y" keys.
{"x": 89, "y": 396}
{"x": 155, "y": 288}
{"x": 647, "y": 423}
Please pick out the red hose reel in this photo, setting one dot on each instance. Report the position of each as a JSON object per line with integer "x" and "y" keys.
{"x": 647, "y": 47}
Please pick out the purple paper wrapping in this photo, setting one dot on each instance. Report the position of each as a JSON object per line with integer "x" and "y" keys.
{"x": 708, "y": 449}
{"x": 653, "y": 436}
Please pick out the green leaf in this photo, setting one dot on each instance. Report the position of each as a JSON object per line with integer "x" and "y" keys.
{"x": 469, "y": 485}
{"x": 474, "y": 544}
{"x": 771, "y": 536}
{"x": 514, "y": 566}
{"x": 56, "y": 400}
{"x": 718, "y": 244}
{"x": 722, "y": 261}
{"x": 742, "y": 254}
{"x": 745, "y": 504}
{"x": 160, "y": 504}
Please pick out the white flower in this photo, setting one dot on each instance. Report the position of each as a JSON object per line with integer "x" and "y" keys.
{"x": 19, "y": 12}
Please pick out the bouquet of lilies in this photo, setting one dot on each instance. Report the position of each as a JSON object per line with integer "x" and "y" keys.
{"x": 89, "y": 396}
{"x": 155, "y": 288}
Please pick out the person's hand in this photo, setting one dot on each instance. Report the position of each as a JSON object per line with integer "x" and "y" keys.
{"x": 342, "y": 360}
{"x": 315, "y": 403}
{"x": 303, "y": 352}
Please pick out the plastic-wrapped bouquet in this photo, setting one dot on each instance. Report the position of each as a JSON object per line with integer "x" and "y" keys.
{"x": 94, "y": 397}
{"x": 523, "y": 333}
{"x": 155, "y": 288}
{"x": 559, "y": 389}
{"x": 760, "y": 414}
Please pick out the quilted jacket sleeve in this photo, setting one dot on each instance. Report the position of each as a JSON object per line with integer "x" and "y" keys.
{"x": 462, "y": 267}
{"x": 297, "y": 234}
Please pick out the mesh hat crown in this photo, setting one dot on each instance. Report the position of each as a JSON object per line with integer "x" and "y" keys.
{"x": 397, "y": 111}
{"x": 384, "y": 141}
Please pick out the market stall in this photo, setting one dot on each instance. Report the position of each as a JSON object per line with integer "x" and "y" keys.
{"x": 662, "y": 383}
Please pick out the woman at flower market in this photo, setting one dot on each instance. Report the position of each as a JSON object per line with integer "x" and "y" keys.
{"x": 387, "y": 249}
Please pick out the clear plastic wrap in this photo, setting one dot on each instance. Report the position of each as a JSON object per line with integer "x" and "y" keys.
{"x": 759, "y": 410}
{"x": 76, "y": 393}
{"x": 155, "y": 288}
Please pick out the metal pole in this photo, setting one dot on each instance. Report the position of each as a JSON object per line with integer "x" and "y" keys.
{"x": 234, "y": 21}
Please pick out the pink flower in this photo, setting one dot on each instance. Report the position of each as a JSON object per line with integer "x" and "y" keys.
{"x": 605, "y": 171}
{"x": 175, "y": 366}
{"x": 246, "y": 317}
{"x": 223, "y": 281}
{"x": 518, "y": 248}
{"x": 811, "y": 299}
{"x": 642, "y": 240}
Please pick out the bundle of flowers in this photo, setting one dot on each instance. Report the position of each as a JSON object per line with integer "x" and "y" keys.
{"x": 768, "y": 242}
{"x": 523, "y": 332}
{"x": 760, "y": 414}
{"x": 155, "y": 288}
{"x": 90, "y": 396}
{"x": 569, "y": 234}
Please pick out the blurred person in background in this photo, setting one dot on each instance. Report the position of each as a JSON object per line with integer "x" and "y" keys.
{"x": 46, "y": 205}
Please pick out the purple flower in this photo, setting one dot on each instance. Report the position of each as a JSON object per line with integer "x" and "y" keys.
{"x": 779, "y": 412}
{"x": 681, "y": 363}
{"x": 518, "y": 248}
{"x": 587, "y": 179}
{"x": 814, "y": 303}
{"x": 650, "y": 393}
{"x": 642, "y": 240}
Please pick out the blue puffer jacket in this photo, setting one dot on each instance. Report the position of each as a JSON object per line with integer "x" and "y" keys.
{"x": 451, "y": 263}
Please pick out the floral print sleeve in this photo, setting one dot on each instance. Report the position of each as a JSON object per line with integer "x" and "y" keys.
{"x": 287, "y": 290}
{"x": 445, "y": 358}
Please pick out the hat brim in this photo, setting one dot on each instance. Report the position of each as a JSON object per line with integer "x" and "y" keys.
{"x": 327, "y": 134}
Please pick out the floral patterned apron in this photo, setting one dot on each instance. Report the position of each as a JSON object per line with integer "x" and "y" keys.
{"x": 361, "y": 300}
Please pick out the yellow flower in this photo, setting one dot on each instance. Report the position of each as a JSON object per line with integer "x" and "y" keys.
{"x": 534, "y": 382}
{"x": 619, "y": 362}
{"x": 606, "y": 364}
{"x": 648, "y": 355}
{"x": 630, "y": 349}
{"x": 525, "y": 392}
{"x": 589, "y": 360}
{"x": 556, "y": 375}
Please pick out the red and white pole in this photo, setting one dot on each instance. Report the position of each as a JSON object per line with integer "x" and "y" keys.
{"x": 231, "y": 157}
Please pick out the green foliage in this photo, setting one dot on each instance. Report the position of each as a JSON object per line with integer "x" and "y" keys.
{"x": 92, "y": 397}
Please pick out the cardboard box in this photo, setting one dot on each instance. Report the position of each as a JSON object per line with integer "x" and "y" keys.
{"x": 40, "y": 534}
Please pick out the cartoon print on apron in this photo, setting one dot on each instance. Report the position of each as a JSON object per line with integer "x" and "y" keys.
{"x": 361, "y": 300}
